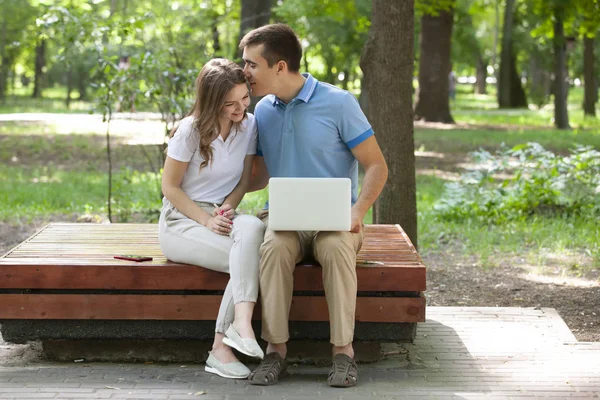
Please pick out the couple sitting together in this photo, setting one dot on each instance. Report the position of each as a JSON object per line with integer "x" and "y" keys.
{"x": 219, "y": 152}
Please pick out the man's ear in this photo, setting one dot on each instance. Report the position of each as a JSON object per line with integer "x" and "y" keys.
{"x": 281, "y": 66}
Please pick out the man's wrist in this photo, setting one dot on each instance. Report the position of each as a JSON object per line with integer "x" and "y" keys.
{"x": 357, "y": 210}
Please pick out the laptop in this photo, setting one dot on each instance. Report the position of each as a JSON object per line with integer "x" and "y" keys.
{"x": 310, "y": 204}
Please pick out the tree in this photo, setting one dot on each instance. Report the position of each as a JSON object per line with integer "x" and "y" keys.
{"x": 387, "y": 64}
{"x": 510, "y": 90}
{"x": 590, "y": 26}
{"x": 562, "y": 22}
{"x": 561, "y": 73}
{"x": 15, "y": 17}
{"x": 474, "y": 37}
{"x": 432, "y": 102}
{"x": 590, "y": 81}
{"x": 333, "y": 33}
{"x": 255, "y": 13}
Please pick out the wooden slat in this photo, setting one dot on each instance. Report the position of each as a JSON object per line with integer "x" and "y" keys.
{"x": 80, "y": 256}
{"x": 175, "y": 307}
{"x": 187, "y": 277}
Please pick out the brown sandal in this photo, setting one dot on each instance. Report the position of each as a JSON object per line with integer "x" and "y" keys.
{"x": 344, "y": 372}
{"x": 270, "y": 370}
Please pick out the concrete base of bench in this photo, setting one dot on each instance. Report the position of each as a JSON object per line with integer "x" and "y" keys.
{"x": 22, "y": 331}
{"x": 184, "y": 341}
{"x": 187, "y": 351}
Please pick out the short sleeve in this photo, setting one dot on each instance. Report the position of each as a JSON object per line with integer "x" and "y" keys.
{"x": 253, "y": 143}
{"x": 184, "y": 143}
{"x": 352, "y": 123}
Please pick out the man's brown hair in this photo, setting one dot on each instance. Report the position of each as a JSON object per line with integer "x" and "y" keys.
{"x": 280, "y": 43}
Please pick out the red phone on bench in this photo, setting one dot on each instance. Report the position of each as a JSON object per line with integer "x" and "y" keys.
{"x": 131, "y": 257}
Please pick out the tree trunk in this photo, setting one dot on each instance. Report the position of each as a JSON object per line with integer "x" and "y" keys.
{"x": 69, "y": 86}
{"x": 216, "y": 38}
{"x": 589, "y": 78}
{"x": 496, "y": 34}
{"x": 505, "y": 57}
{"x": 387, "y": 63}
{"x": 561, "y": 115}
{"x": 481, "y": 75}
{"x": 81, "y": 87}
{"x": 517, "y": 92}
{"x": 434, "y": 67}
{"x": 329, "y": 75}
{"x": 305, "y": 57}
{"x": 510, "y": 90}
{"x": 255, "y": 13}
{"x": 40, "y": 63}
{"x": 3, "y": 56}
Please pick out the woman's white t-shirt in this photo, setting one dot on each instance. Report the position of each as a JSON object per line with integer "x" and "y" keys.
{"x": 216, "y": 180}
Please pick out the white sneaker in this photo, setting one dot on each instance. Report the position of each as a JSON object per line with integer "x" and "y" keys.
{"x": 233, "y": 370}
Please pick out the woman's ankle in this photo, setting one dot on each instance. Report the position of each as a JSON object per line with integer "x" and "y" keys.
{"x": 245, "y": 330}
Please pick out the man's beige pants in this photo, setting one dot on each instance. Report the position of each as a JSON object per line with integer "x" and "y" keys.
{"x": 335, "y": 252}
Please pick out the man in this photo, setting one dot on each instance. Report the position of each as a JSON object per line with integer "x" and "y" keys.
{"x": 308, "y": 129}
{"x": 451, "y": 84}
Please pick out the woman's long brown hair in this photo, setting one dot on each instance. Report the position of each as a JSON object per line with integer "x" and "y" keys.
{"x": 215, "y": 80}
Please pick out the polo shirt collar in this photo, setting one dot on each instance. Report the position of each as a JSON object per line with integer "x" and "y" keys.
{"x": 305, "y": 93}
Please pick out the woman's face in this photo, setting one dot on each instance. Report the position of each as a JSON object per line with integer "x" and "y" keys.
{"x": 236, "y": 102}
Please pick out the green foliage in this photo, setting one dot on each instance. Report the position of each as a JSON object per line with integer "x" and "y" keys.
{"x": 16, "y": 20}
{"x": 433, "y": 7}
{"x": 523, "y": 181}
{"x": 333, "y": 34}
{"x": 137, "y": 196}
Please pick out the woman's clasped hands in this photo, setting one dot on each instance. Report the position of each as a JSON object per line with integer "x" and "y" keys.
{"x": 221, "y": 220}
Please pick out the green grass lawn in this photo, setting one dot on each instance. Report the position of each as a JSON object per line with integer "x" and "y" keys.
{"x": 53, "y": 101}
{"x": 465, "y": 140}
{"x": 46, "y": 174}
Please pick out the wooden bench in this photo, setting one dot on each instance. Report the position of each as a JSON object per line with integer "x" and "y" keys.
{"x": 63, "y": 283}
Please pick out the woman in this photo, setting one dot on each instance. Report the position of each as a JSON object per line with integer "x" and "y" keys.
{"x": 206, "y": 174}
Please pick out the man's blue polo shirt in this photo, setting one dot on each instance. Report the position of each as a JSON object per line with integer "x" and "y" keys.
{"x": 313, "y": 134}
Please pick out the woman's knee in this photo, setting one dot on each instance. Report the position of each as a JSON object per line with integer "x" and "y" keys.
{"x": 249, "y": 224}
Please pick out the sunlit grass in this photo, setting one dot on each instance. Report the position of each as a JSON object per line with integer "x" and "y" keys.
{"x": 470, "y": 108}
{"x": 28, "y": 193}
{"x": 52, "y": 101}
{"x": 532, "y": 240}
{"x": 464, "y": 140}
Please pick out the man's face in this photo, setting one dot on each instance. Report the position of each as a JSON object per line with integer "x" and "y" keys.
{"x": 262, "y": 79}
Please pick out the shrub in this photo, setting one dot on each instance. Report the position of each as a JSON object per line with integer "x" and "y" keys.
{"x": 523, "y": 181}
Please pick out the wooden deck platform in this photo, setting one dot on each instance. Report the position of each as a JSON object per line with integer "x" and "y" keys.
{"x": 67, "y": 272}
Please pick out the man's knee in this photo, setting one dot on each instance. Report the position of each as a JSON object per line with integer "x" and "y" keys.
{"x": 250, "y": 224}
{"x": 331, "y": 247}
{"x": 282, "y": 245}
